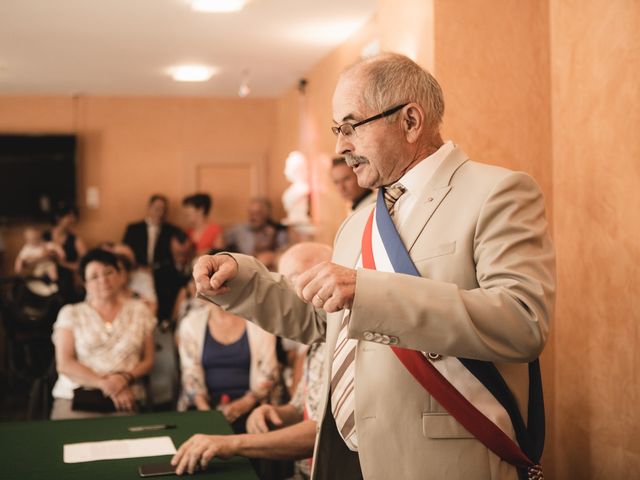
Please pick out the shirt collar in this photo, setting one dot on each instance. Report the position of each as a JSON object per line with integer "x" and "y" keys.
{"x": 417, "y": 177}
{"x": 150, "y": 224}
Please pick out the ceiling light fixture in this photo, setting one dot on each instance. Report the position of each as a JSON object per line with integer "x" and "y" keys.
{"x": 191, "y": 73}
{"x": 323, "y": 33}
{"x": 218, "y": 6}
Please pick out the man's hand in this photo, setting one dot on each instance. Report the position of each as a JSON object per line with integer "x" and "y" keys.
{"x": 257, "y": 421}
{"x": 200, "y": 449}
{"x": 212, "y": 271}
{"x": 327, "y": 286}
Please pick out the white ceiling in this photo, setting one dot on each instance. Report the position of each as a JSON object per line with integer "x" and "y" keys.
{"x": 124, "y": 47}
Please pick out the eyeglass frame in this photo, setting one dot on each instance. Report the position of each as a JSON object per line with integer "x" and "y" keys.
{"x": 338, "y": 129}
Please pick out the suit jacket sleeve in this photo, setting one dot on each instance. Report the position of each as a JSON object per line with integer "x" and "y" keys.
{"x": 129, "y": 235}
{"x": 136, "y": 237}
{"x": 506, "y": 318}
{"x": 268, "y": 299}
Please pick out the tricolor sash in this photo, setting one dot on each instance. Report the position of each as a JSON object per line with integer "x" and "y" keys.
{"x": 383, "y": 249}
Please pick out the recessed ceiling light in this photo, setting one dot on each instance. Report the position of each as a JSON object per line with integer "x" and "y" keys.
{"x": 324, "y": 33}
{"x": 191, "y": 73}
{"x": 218, "y": 6}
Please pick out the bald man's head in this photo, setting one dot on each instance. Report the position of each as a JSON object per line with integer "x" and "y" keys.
{"x": 301, "y": 257}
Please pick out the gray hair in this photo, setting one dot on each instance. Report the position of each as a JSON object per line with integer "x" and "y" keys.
{"x": 392, "y": 79}
{"x": 264, "y": 201}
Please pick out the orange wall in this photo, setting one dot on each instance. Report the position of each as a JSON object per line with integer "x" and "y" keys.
{"x": 314, "y": 138}
{"x": 494, "y": 68}
{"x": 132, "y": 147}
{"x": 595, "y": 53}
{"x": 406, "y": 26}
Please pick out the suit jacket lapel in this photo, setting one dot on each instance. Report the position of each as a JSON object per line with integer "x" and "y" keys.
{"x": 432, "y": 196}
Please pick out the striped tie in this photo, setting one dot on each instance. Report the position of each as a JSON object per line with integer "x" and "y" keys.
{"x": 343, "y": 367}
{"x": 391, "y": 196}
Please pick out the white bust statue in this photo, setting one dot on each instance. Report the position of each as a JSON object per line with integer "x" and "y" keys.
{"x": 296, "y": 198}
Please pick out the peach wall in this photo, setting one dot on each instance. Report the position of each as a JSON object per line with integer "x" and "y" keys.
{"x": 493, "y": 63}
{"x": 494, "y": 69}
{"x": 595, "y": 53}
{"x": 314, "y": 138}
{"x": 406, "y": 26}
{"x": 132, "y": 147}
{"x": 286, "y": 140}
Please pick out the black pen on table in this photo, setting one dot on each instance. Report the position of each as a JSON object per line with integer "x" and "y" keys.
{"x": 148, "y": 428}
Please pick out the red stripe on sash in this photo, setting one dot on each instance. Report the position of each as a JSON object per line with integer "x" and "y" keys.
{"x": 446, "y": 394}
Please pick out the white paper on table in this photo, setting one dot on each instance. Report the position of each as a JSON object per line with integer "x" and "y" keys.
{"x": 114, "y": 449}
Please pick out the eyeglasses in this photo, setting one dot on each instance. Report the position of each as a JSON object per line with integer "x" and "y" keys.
{"x": 348, "y": 129}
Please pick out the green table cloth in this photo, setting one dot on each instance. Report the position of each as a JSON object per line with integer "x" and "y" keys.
{"x": 33, "y": 450}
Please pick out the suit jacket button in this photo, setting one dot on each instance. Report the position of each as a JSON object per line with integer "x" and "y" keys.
{"x": 377, "y": 337}
{"x": 393, "y": 340}
{"x": 386, "y": 340}
{"x": 434, "y": 356}
{"x": 368, "y": 336}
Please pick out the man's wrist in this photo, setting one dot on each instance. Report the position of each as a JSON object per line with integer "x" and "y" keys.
{"x": 238, "y": 443}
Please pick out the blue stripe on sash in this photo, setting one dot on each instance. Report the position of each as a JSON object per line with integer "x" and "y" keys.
{"x": 531, "y": 437}
{"x": 391, "y": 240}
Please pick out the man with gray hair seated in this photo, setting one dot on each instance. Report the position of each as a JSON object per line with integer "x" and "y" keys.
{"x": 261, "y": 236}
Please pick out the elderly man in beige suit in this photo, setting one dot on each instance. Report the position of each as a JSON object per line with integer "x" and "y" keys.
{"x": 482, "y": 293}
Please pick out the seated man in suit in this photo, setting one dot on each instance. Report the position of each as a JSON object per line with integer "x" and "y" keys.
{"x": 435, "y": 307}
{"x": 151, "y": 240}
{"x": 261, "y": 236}
{"x": 346, "y": 183}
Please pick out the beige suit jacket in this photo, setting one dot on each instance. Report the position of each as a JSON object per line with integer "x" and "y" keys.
{"x": 479, "y": 238}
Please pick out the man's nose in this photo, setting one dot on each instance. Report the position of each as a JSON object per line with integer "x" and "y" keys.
{"x": 343, "y": 144}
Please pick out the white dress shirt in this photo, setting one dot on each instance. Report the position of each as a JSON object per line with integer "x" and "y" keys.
{"x": 153, "y": 232}
{"x": 415, "y": 181}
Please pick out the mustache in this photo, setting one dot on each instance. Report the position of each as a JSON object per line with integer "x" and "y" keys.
{"x": 355, "y": 160}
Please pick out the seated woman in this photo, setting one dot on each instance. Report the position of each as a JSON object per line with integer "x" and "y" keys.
{"x": 136, "y": 282}
{"x": 226, "y": 362}
{"x": 104, "y": 344}
{"x": 203, "y": 234}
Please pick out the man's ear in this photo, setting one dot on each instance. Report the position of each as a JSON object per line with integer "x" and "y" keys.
{"x": 412, "y": 122}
